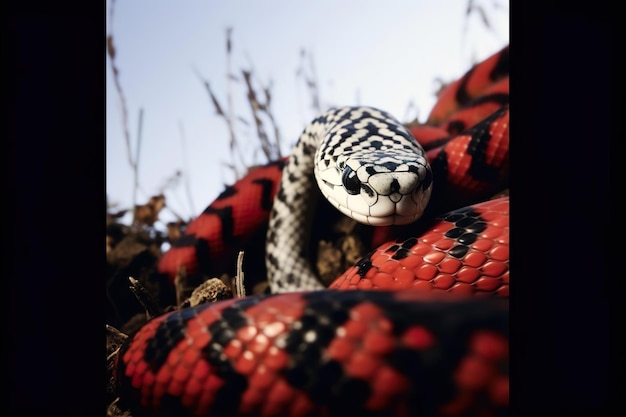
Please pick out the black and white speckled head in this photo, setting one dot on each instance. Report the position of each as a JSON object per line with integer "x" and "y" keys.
{"x": 372, "y": 169}
{"x": 366, "y": 164}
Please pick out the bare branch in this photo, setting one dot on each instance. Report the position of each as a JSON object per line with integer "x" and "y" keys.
{"x": 271, "y": 150}
{"x": 136, "y": 164}
{"x": 111, "y": 51}
{"x": 255, "y": 107}
{"x": 472, "y": 7}
{"x": 311, "y": 82}
{"x": 233, "y": 144}
{"x": 240, "y": 290}
{"x": 260, "y": 105}
{"x": 267, "y": 109}
{"x": 234, "y": 148}
{"x": 307, "y": 73}
{"x": 147, "y": 301}
{"x": 483, "y": 16}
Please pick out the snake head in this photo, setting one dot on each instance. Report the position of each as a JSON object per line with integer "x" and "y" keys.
{"x": 378, "y": 189}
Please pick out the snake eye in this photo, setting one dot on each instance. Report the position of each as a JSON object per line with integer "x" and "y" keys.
{"x": 350, "y": 181}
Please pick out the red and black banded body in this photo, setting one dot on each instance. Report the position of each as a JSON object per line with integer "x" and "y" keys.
{"x": 322, "y": 353}
{"x": 466, "y": 252}
{"x": 212, "y": 240}
{"x": 472, "y": 113}
{"x": 474, "y": 164}
{"x": 473, "y": 84}
{"x": 402, "y": 339}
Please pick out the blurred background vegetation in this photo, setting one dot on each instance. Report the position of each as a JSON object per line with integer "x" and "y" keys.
{"x": 243, "y": 101}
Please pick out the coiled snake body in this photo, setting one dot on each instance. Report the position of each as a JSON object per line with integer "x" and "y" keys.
{"x": 405, "y": 340}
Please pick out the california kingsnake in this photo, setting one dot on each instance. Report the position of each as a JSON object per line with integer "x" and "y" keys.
{"x": 358, "y": 352}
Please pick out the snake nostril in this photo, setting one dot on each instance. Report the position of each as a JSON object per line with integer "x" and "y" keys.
{"x": 350, "y": 181}
{"x": 394, "y": 187}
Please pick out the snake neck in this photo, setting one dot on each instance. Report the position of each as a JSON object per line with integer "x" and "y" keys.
{"x": 287, "y": 246}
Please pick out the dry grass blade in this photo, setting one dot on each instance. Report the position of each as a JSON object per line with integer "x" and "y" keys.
{"x": 136, "y": 164}
{"x": 114, "y": 340}
{"x": 473, "y": 8}
{"x": 235, "y": 150}
{"x": 214, "y": 100}
{"x": 308, "y": 75}
{"x": 111, "y": 51}
{"x": 256, "y": 107}
{"x": 260, "y": 109}
{"x": 267, "y": 109}
{"x": 233, "y": 144}
{"x": 411, "y": 114}
{"x": 240, "y": 289}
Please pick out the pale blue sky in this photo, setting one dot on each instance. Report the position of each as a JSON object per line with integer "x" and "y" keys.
{"x": 385, "y": 54}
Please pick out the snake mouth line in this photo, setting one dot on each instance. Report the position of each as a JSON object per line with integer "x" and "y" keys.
{"x": 394, "y": 218}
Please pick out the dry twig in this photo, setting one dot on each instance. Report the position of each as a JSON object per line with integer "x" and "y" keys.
{"x": 147, "y": 301}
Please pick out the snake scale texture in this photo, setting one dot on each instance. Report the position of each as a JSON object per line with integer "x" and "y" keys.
{"x": 417, "y": 327}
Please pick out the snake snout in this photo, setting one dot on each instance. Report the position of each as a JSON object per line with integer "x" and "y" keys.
{"x": 395, "y": 197}
{"x": 396, "y": 185}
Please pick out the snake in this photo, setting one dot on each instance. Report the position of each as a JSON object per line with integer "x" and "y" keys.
{"x": 417, "y": 326}
{"x": 365, "y": 163}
